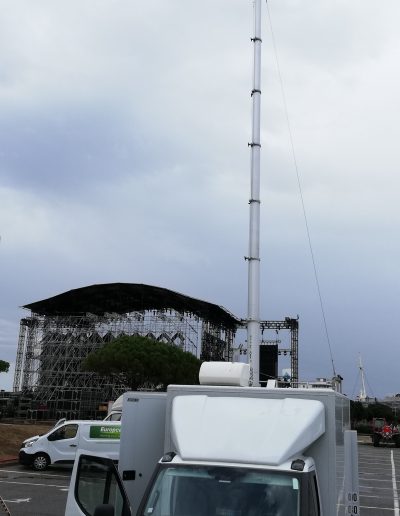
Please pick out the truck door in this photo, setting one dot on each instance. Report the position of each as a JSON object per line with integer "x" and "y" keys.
{"x": 96, "y": 488}
{"x": 63, "y": 443}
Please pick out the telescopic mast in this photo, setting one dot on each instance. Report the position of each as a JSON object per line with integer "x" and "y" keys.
{"x": 253, "y": 307}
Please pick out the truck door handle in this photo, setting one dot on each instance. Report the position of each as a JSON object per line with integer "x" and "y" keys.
{"x": 73, "y": 445}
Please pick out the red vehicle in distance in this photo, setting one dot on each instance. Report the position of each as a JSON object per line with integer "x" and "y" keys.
{"x": 384, "y": 432}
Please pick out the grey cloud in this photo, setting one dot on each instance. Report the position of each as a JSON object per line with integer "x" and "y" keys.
{"x": 123, "y": 157}
{"x": 70, "y": 152}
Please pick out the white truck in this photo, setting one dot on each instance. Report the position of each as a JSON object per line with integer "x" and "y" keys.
{"x": 224, "y": 449}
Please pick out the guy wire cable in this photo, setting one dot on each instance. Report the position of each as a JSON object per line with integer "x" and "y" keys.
{"x": 300, "y": 190}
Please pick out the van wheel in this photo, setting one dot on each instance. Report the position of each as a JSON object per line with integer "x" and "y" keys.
{"x": 40, "y": 462}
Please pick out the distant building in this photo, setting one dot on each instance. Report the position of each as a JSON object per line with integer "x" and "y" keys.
{"x": 392, "y": 401}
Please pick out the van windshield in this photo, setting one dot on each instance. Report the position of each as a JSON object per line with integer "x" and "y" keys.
{"x": 222, "y": 491}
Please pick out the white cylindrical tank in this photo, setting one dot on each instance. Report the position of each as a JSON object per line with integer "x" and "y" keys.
{"x": 224, "y": 373}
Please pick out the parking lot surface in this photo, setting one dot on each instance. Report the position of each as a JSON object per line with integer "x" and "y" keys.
{"x": 28, "y": 493}
{"x": 379, "y": 477}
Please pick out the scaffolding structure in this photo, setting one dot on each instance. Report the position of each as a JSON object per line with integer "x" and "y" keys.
{"x": 293, "y": 326}
{"x": 292, "y": 351}
{"x": 51, "y": 349}
{"x": 217, "y": 343}
{"x": 63, "y": 330}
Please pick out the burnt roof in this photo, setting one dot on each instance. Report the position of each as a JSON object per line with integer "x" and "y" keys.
{"x": 123, "y": 298}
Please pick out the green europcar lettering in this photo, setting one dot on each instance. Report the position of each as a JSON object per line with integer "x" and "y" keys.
{"x": 104, "y": 432}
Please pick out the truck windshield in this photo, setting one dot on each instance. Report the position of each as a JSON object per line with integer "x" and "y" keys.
{"x": 222, "y": 491}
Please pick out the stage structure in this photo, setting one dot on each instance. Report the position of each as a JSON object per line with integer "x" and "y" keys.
{"x": 271, "y": 350}
{"x": 293, "y": 326}
{"x": 61, "y": 331}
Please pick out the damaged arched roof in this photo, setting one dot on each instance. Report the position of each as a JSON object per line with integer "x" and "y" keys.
{"x": 130, "y": 297}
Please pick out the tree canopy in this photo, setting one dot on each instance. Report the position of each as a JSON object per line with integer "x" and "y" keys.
{"x": 144, "y": 362}
{"x": 4, "y": 366}
{"x": 359, "y": 412}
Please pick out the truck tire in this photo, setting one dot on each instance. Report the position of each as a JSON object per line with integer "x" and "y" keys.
{"x": 375, "y": 440}
{"x": 40, "y": 462}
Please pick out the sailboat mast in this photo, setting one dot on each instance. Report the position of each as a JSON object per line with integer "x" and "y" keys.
{"x": 363, "y": 391}
{"x": 253, "y": 307}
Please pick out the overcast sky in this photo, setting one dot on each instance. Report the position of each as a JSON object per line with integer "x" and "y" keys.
{"x": 123, "y": 158}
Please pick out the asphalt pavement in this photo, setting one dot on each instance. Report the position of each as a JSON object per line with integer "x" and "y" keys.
{"x": 379, "y": 480}
{"x": 29, "y": 493}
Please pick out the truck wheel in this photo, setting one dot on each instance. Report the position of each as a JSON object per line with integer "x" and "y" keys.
{"x": 40, "y": 462}
{"x": 375, "y": 441}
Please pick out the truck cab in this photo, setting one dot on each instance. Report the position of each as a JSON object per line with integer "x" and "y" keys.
{"x": 204, "y": 489}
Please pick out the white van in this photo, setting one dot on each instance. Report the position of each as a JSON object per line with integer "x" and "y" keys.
{"x": 60, "y": 444}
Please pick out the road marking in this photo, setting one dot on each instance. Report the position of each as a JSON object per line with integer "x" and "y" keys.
{"x": 379, "y": 508}
{"x": 369, "y": 479}
{"x": 376, "y": 488}
{"x": 43, "y": 475}
{"x": 375, "y": 465}
{"x": 29, "y": 484}
{"x": 380, "y": 472}
{"x": 19, "y": 500}
{"x": 370, "y": 496}
{"x": 395, "y": 494}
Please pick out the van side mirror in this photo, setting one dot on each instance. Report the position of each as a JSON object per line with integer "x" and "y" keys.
{"x": 106, "y": 509}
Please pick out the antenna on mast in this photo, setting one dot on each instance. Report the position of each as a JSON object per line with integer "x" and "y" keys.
{"x": 253, "y": 306}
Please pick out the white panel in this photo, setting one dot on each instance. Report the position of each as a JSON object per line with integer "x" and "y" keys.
{"x": 244, "y": 430}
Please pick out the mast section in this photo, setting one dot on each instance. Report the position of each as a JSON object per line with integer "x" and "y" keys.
{"x": 253, "y": 307}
